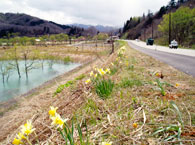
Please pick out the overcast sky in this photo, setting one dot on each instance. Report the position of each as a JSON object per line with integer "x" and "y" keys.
{"x": 104, "y": 12}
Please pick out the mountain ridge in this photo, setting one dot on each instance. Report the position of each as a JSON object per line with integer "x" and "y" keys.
{"x": 100, "y": 28}
{"x": 26, "y": 25}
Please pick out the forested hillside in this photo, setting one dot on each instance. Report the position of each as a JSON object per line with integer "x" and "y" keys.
{"x": 182, "y": 16}
{"x": 26, "y": 25}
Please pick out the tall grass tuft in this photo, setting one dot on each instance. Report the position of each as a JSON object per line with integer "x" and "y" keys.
{"x": 67, "y": 134}
{"x": 160, "y": 85}
{"x": 104, "y": 88}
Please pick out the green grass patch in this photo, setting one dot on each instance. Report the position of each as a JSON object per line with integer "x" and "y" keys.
{"x": 104, "y": 88}
{"x": 126, "y": 82}
{"x": 67, "y": 59}
{"x": 82, "y": 76}
{"x": 113, "y": 70}
{"x": 61, "y": 87}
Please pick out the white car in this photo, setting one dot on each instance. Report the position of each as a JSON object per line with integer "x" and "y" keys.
{"x": 173, "y": 44}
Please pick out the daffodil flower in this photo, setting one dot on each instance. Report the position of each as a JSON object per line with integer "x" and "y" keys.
{"x": 27, "y": 128}
{"x": 95, "y": 75}
{"x": 20, "y": 136}
{"x": 58, "y": 121}
{"x": 177, "y": 85}
{"x": 101, "y": 72}
{"x": 91, "y": 73}
{"x": 107, "y": 70}
{"x": 87, "y": 81}
{"x": 17, "y": 141}
{"x": 106, "y": 143}
{"x": 157, "y": 74}
{"x": 52, "y": 111}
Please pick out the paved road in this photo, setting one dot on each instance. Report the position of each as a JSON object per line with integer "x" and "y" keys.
{"x": 183, "y": 63}
{"x": 181, "y": 51}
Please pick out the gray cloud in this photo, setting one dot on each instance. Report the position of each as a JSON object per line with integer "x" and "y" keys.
{"x": 105, "y": 12}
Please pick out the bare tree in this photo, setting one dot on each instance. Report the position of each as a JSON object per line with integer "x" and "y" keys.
{"x": 28, "y": 62}
{"x": 5, "y": 70}
{"x": 13, "y": 54}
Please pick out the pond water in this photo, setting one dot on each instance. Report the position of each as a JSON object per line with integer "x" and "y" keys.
{"x": 38, "y": 75}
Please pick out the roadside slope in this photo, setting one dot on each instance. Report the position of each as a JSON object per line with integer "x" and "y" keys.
{"x": 140, "y": 103}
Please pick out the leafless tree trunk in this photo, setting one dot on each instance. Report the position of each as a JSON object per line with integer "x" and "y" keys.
{"x": 28, "y": 64}
{"x": 15, "y": 64}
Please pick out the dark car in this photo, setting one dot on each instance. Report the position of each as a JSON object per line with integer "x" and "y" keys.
{"x": 150, "y": 41}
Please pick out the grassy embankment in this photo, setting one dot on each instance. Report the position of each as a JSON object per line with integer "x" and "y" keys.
{"x": 146, "y": 102}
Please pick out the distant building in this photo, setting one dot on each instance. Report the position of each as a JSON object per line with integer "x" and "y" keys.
{"x": 37, "y": 40}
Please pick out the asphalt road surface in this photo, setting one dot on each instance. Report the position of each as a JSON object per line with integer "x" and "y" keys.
{"x": 183, "y": 63}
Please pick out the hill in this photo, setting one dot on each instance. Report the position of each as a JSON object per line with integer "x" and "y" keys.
{"x": 26, "y": 25}
{"x": 147, "y": 26}
{"x": 100, "y": 28}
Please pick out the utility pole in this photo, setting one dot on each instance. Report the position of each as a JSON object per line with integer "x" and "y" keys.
{"x": 152, "y": 31}
{"x": 169, "y": 27}
{"x": 112, "y": 44}
{"x": 70, "y": 41}
{"x": 144, "y": 34}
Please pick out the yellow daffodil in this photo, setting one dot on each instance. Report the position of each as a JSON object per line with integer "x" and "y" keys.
{"x": 106, "y": 143}
{"x": 135, "y": 125}
{"x": 17, "y": 141}
{"x": 91, "y": 73}
{"x": 107, "y": 70}
{"x": 177, "y": 85}
{"x": 58, "y": 121}
{"x": 101, "y": 72}
{"x": 52, "y": 111}
{"x": 27, "y": 128}
{"x": 87, "y": 81}
{"x": 20, "y": 136}
{"x": 95, "y": 75}
{"x": 157, "y": 74}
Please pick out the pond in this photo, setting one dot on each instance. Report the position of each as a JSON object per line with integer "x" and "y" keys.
{"x": 39, "y": 73}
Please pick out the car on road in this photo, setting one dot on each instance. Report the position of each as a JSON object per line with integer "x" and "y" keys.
{"x": 173, "y": 44}
{"x": 150, "y": 41}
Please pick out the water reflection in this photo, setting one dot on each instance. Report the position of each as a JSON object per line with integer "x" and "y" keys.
{"x": 16, "y": 86}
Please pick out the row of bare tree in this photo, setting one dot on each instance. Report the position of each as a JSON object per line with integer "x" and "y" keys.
{"x": 32, "y": 60}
